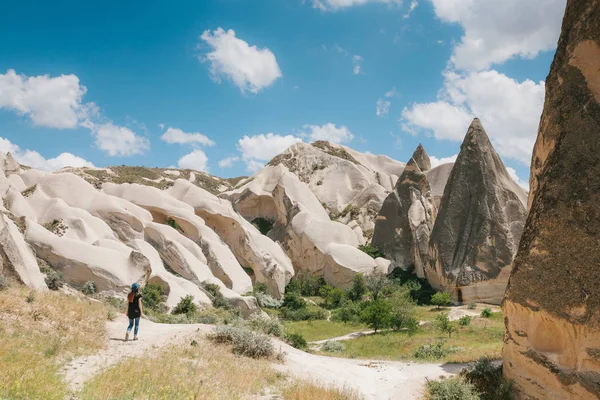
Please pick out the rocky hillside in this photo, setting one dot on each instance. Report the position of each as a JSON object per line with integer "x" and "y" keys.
{"x": 463, "y": 241}
{"x": 552, "y": 341}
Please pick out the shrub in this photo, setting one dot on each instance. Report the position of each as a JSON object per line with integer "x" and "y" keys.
{"x": 174, "y": 224}
{"x": 487, "y": 379}
{"x": 403, "y": 312}
{"x": 465, "y": 320}
{"x": 266, "y": 301}
{"x": 307, "y": 313}
{"x": 334, "y": 298}
{"x": 420, "y": 289}
{"x": 376, "y": 283}
{"x": 293, "y": 286}
{"x": 486, "y": 313}
{"x": 218, "y": 300}
{"x": 431, "y": 351}
{"x": 333, "y": 346}
{"x": 263, "y": 323}
{"x": 441, "y": 299}
{"x": 371, "y": 250}
{"x": 30, "y": 297}
{"x": 451, "y": 389}
{"x": 472, "y": 305}
{"x": 444, "y": 325}
{"x": 185, "y": 306}
{"x": 293, "y": 301}
{"x": 377, "y": 315}
{"x": 310, "y": 284}
{"x": 89, "y": 288}
{"x": 296, "y": 340}
{"x": 260, "y": 288}
{"x": 244, "y": 341}
{"x": 348, "y": 312}
{"x": 358, "y": 288}
{"x": 153, "y": 295}
{"x": 3, "y": 282}
{"x": 263, "y": 225}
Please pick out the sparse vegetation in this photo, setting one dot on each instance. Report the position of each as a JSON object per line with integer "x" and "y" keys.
{"x": 432, "y": 351}
{"x": 174, "y": 224}
{"x": 451, "y": 389}
{"x": 153, "y": 295}
{"x": 487, "y": 380}
{"x": 185, "y": 306}
{"x": 465, "y": 320}
{"x": 29, "y": 191}
{"x": 486, "y": 313}
{"x": 244, "y": 341}
{"x": 56, "y": 226}
{"x": 332, "y": 346}
{"x": 218, "y": 300}
{"x": 296, "y": 340}
{"x": 444, "y": 324}
{"x": 371, "y": 250}
{"x": 472, "y": 305}
{"x": 263, "y": 225}
{"x": 265, "y": 324}
{"x": 89, "y": 288}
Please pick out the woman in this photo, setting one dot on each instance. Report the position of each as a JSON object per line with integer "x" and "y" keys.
{"x": 134, "y": 310}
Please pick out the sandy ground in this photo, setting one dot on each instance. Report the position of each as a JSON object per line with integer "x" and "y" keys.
{"x": 379, "y": 380}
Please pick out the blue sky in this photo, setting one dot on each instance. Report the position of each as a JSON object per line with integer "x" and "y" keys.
{"x": 239, "y": 80}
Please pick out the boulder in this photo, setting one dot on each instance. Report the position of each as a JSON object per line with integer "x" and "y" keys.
{"x": 405, "y": 221}
{"x": 552, "y": 341}
{"x": 479, "y": 224}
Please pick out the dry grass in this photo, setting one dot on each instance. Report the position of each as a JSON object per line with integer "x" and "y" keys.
{"x": 39, "y": 331}
{"x": 203, "y": 371}
{"x": 309, "y": 391}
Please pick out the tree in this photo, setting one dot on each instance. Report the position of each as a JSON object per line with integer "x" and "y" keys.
{"x": 358, "y": 288}
{"x": 334, "y": 298}
{"x": 376, "y": 283}
{"x": 347, "y": 312}
{"x": 403, "y": 311}
{"x": 377, "y": 314}
{"x": 371, "y": 250}
{"x": 293, "y": 301}
{"x": 441, "y": 299}
{"x": 444, "y": 325}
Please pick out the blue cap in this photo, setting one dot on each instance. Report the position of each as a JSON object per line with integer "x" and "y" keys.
{"x": 135, "y": 286}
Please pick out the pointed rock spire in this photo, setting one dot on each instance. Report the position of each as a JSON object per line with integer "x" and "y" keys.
{"x": 421, "y": 159}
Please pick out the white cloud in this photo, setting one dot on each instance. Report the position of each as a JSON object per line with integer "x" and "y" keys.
{"x": 161, "y": 126}
{"x": 444, "y": 160}
{"x": 259, "y": 148}
{"x": 411, "y": 8}
{"x": 36, "y": 160}
{"x": 195, "y": 160}
{"x": 496, "y": 31}
{"x": 356, "y": 61}
{"x": 391, "y": 93}
{"x": 117, "y": 140}
{"x": 509, "y": 111}
{"x": 513, "y": 174}
{"x": 254, "y": 165}
{"x": 328, "y": 132}
{"x": 174, "y": 135}
{"x": 228, "y": 162}
{"x": 54, "y": 102}
{"x": 334, "y": 5}
{"x": 248, "y": 67}
{"x": 383, "y": 107}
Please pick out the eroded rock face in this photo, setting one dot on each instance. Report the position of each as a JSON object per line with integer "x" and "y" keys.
{"x": 403, "y": 226}
{"x": 552, "y": 341}
{"x": 479, "y": 224}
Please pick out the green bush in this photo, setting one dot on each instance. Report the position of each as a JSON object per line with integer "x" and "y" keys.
{"x": 334, "y": 298}
{"x": 266, "y": 301}
{"x": 185, "y": 306}
{"x": 263, "y": 323}
{"x": 333, "y": 346}
{"x": 260, "y": 288}
{"x": 153, "y": 295}
{"x": 451, "y": 389}
{"x": 174, "y": 224}
{"x": 293, "y": 301}
{"x": 443, "y": 323}
{"x": 465, "y": 320}
{"x": 371, "y": 250}
{"x": 420, "y": 289}
{"x": 486, "y": 313}
{"x": 377, "y": 315}
{"x": 245, "y": 342}
{"x": 297, "y": 341}
{"x": 441, "y": 299}
{"x": 472, "y": 305}
{"x": 431, "y": 351}
{"x": 377, "y": 284}
{"x": 54, "y": 280}
{"x": 307, "y": 313}
{"x": 403, "y": 312}
{"x": 310, "y": 284}
{"x": 348, "y": 312}
{"x": 218, "y": 300}
{"x": 89, "y": 288}
{"x": 487, "y": 379}
{"x": 263, "y": 225}
{"x": 358, "y": 288}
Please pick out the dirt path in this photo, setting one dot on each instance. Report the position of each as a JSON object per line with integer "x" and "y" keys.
{"x": 350, "y": 336}
{"x": 379, "y": 380}
{"x": 376, "y": 380}
{"x": 152, "y": 336}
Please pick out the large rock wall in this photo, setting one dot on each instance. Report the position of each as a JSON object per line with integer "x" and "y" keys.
{"x": 552, "y": 304}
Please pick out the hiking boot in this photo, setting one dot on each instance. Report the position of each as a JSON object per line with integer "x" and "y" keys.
{"x": 127, "y": 336}
{"x": 135, "y": 337}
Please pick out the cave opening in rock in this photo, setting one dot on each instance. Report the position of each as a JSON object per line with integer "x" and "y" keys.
{"x": 263, "y": 225}
{"x": 459, "y": 295}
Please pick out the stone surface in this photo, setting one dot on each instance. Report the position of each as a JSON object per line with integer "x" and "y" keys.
{"x": 479, "y": 224}
{"x": 403, "y": 226}
{"x": 552, "y": 341}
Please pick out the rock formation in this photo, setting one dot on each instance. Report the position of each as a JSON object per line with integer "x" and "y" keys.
{"x": 479, "y": 224}
{"x": 403, "y": 226}
{"x": 299, "y": 222}
{"x": 552, "y": 304}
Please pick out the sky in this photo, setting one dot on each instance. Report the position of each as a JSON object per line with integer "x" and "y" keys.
{"x": 223, "y": 86}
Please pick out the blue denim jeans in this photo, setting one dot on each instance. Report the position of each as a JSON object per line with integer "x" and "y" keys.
{"x": 137, "y": 325}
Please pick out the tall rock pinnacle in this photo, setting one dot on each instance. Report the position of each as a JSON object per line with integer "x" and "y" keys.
{"x": 404, "y": 223}
{"x": 479, "y": 223}
{"x": 551, "y": 308}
